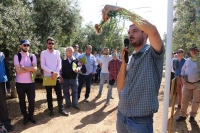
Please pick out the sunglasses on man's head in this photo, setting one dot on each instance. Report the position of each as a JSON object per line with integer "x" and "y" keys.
{"x": 25, "y": 45}
{"x": 50, "y": 43}
{"x": 179, "y": 52}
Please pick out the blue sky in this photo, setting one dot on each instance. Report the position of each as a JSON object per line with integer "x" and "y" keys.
{"x": 154, "y": 11}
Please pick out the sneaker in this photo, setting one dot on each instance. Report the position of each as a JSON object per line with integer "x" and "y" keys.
{"x": 98, "y": 96}
{"x": 86, "y": 100}
{"x": 107, "y": 104}
{"x": 68, "y": 106}
{"x": 111, "y": 97}
{"x": 25, "y": 121}
{"x": 3, "y": 128}
{"x": 192, "y": 120}
{"x": 32, "y": 119}
{"x": 9, "y": 128}
{"x": 76, "y": 107}
{"x": 178, "y": 107}
{"x": 180, "y": 118}
{"x": 63, "y": 112}
{"x": 51, "y": 113}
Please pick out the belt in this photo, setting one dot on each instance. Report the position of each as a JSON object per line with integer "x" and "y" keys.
{"x": 193, "y": 82}
{"x": 151, "y": 115}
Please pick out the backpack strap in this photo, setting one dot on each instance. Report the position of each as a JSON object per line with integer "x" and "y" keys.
{"x": 20, "y": 57}
{"x": 31, "y": 57}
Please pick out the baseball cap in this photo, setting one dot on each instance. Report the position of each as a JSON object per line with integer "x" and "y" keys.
{"x": 25, "y": 42}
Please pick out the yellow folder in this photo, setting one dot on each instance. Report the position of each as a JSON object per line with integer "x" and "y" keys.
{"x": 47, "y": 81}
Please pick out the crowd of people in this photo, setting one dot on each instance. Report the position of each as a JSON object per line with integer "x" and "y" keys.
{"x": 184, "y": 68}
{"x": 138, "y": 82}
{"x": 61, "y": 70}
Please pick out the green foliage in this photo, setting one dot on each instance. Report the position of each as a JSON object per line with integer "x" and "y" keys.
{"x": 110, "y": 37}
{"x": 16, "y": 25}
{"x": 186, "y": 24}
{"x": 56, "y": 18}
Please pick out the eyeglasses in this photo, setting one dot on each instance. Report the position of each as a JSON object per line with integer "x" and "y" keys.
{"x": 76, "y": 47}
{"x": 25, "y": 45}
{"x": 51, "y": 43}
{"x": 113, "y": 54}
{"x": 179, "y": 52}
{"x": 89, "y": 49}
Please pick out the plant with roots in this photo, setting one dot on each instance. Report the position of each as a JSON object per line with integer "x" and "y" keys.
{"x": 122, "y": 15}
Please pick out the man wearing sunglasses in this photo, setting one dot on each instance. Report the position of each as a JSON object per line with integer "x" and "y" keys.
{"x": 76, "y": 54}
{"x": 91, "y": 67}
{"x": 178, "y": 64}
{"x": 51, "y": 64}
{"x": 24, "y": 83}
{"x": 190, "y": 79}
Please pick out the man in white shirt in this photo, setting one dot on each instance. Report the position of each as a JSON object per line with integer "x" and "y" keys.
{"x": 190, "y": 79}
{"x": 104, "y": 60}
{"x": 51, "y": 65}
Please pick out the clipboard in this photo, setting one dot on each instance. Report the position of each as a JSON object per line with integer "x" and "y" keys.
{"x": 33, "y": 75}
{"x": 47, "y": 81}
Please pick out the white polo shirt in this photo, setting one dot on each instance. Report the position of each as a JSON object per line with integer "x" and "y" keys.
{"x": 105, "y": 60}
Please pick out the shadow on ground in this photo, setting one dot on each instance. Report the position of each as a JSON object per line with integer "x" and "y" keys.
{"x": 94, "y": 118}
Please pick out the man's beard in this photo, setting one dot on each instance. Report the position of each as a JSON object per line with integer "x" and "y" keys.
{"x": 24, "y": 50}
{"x": 50, "y": 48}
{"x": 138, "y": 43}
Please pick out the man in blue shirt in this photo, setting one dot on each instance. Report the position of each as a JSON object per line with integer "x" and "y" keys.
{"x": 4, "y": 88}
{"x": 178, "y": 64}
{"x": 139, "y": 85}
{"x": 91, "y": 67}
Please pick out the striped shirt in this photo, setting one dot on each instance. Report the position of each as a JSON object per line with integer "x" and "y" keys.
{"x": 139, "y": 96}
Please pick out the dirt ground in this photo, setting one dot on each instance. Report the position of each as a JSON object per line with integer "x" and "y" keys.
{"x": 93, "y": 117}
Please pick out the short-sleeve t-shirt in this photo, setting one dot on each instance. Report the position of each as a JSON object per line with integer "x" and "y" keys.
{"x": 105, "y": 60}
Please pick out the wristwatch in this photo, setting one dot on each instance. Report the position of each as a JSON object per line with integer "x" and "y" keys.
{"x": 52, "y": 72}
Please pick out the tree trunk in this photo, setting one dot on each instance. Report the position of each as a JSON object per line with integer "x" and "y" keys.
{"x": 13, "y": 89}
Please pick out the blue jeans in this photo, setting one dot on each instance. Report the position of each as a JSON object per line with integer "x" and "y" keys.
{"x": 81, "y": 80}
{"x": 102, "y": 81}
{"x": 109, "y": 94}
{"x": 142, "y": 124}
{"x": 74, "y": 86}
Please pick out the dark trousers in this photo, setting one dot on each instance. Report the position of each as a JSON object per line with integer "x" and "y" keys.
{"x": 81, "y": 80}
{"x": 97, "y": 75}
{"x": 58, "y": 91}
{"x": 172, "y": 75}
{"x": 3, "y": 106}
{"x": 28, "y": 89}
